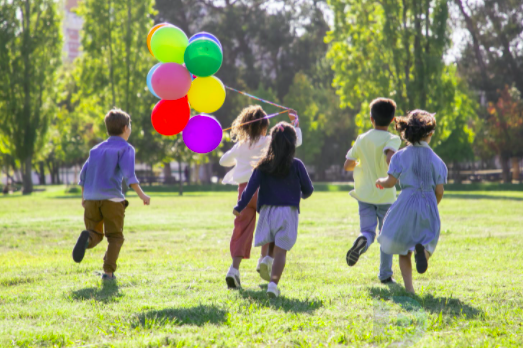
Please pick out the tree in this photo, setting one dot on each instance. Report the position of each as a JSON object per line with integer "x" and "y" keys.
{"x": 491, "y": 58}
{"x": 502, "y": 130}
{"x": 30, "y": 44}
{"x": 395, "y": 49}
{"x": 113, "y": 70}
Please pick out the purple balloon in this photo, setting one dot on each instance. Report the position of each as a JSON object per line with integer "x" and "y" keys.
{"x": 206, "y": 35}
{"x": 202, "y": 134}
{"x": 171, "y": 81}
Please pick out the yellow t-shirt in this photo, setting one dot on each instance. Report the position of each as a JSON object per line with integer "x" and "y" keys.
{"x": 369, "y": 152}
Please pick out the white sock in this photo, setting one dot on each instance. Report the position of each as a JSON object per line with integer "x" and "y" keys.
{"x": 270, "y": 259}
{"x": 234, "y": 270}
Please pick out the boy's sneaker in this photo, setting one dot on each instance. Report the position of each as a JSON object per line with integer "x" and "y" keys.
{"x": 106, "y": 277}
{"x": 233, "y": 278}
{"x": 421, "y": 259}
{"x": 81, "y": 245}
{"x": 272, "y": 290}
{"x": 389, "y": 280}
{"x": 266, "y": 268}
{"x": 354, "y": 253}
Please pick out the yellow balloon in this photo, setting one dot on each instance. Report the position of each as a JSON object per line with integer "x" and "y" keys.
{"x": 207, "y": 94}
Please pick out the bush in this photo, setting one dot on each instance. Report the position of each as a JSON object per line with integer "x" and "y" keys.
{"x": 73, "y": 190}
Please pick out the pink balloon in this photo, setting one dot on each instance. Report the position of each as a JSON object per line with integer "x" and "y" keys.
{"x": 171, "y": 81}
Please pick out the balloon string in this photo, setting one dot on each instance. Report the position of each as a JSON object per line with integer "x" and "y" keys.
{"x": 264, "y": 118}
{"x": 260, "y": 99}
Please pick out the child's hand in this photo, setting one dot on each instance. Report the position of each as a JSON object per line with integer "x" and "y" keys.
{"x": 235, "y": 212}
{"x": 293, "y": 117}
{"x": 378, "y": 184}
{"x": 146, "y": 199}
{"x": 83, "y": 202}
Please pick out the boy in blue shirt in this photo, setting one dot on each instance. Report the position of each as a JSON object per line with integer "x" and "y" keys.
{"x": 102, "y": 198}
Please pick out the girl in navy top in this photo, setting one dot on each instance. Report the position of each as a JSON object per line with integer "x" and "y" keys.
{"x": 282, "y": 181}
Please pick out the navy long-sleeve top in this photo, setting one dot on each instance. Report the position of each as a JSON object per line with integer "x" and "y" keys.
{"x": 278, "y": 191}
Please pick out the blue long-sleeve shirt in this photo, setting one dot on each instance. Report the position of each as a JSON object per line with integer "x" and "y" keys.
{"x": 278, "y": 191}
{"x": 108, "y": 163}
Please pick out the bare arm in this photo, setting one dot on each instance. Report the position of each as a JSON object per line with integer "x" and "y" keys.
{"x": 146, "y": 199}
{"x": 389, "y": 154}
{"x": 439, "y": 192}
{"x": 83, "y": 196}
{"x": 349, "y": 165}
{"x": 387, "y": 182}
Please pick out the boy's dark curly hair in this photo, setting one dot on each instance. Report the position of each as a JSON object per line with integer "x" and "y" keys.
{"x": 416, "y": 125}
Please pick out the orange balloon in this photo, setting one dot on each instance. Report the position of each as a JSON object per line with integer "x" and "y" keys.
{"x": 151, "y": 32}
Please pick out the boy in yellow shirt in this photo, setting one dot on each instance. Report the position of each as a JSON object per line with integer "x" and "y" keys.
{"x": 369, "y": 158}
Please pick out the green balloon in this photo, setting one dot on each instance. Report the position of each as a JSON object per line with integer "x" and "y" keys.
{"x": 168, "y": 44}
{"x": 203, "y": 57}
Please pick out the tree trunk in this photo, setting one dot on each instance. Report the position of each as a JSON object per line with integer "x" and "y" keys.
{"x": 27, "y": 180}
{"x": 180, "y": 181}
{"x": 456, "y": 172}
{"x": 515, "y": 169}
{"x": 41, "y": 173}
{"x": 167, "y": 173}
{"x": 505, "y": 168}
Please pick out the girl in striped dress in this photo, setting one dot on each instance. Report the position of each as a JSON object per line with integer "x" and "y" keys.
{"x": 282, "y": 181}
{"x": 412, "y": 223}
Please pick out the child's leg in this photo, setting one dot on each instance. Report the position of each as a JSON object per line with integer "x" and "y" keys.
{"x": 385, "y": 259}
{"x": 113, "y": 213}
{"x": 368, "y": 224}
{"x": 244, "y": 225}
{"x": 405, "y": 262}
{"x": 278, "y": 264}
{"x": 93, "y": 220}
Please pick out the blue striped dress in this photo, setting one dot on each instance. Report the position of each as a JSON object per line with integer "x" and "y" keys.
{"x": 414, "y": 217}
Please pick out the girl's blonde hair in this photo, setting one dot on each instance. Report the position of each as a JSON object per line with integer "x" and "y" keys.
{"x": 250, "y": 132}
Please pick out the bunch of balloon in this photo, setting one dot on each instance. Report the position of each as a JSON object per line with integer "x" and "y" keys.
{"x": 184, "y": 79}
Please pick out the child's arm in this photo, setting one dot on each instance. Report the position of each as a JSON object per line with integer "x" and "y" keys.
{"x": 387, "y": 182}
{"x": 250, "y": 190}
{"x": 126, "y": 163}
{"x": 389, "y": 153}
{"x": 146, "y": 199}
{"x": 439, "y": 192}
{"x": 349, "y": 165}
{"x": 82, "y": 178}
{"x": 229, "y": 158}
{"x": 305, "y": 181}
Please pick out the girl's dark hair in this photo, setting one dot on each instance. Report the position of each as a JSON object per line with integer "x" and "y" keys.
{"x": 280, "y": 154}
{"x": 415, "y": 126}
{"x": 250, "y": 132}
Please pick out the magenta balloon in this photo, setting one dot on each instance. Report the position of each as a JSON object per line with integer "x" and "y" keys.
{"x": 202, "y": 134}
{"x": 171, "y": 81}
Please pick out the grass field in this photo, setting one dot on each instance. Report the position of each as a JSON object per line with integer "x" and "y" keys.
{"x": 171, "y": 289}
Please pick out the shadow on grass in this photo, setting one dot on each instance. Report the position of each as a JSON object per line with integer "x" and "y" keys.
{"x": 282, "y": 303}
{"x": 108, "y": 292}
{"x": 199, "y": 316}
{"x": 447, "y": 306}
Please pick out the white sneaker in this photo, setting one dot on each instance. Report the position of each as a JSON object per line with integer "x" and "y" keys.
{"x": 259, "y": 263}
{"x": 233, "y": 278}
{"x": 266, "y": 268}
{"x": 272, "y": 290}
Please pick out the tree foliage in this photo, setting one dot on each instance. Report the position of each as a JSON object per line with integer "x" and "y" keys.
{"x": 30, "y": 44}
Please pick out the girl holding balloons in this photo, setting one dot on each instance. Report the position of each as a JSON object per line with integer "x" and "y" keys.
{"x": 249, "y": 132}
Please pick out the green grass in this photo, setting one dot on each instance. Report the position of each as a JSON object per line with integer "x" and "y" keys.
{"x": 171, "y": 289}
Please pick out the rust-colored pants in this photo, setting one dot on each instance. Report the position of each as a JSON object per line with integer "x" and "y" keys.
{"x": 108, "y": 214}
{"x": 241, "y": 240}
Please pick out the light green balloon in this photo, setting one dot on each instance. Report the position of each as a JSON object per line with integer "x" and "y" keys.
{"x": 168, "y": 44}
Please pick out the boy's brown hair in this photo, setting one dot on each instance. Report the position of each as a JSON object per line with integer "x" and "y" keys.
{"x": 245, "y": 130}
{"x": 116, "y": 120}
{"x": 382, "y": 111}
